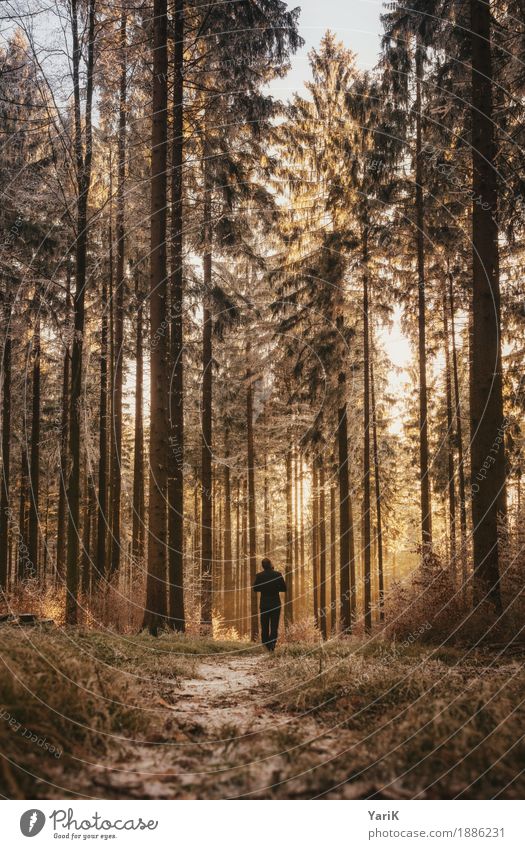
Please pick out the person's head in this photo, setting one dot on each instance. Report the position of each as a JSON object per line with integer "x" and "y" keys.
{"x": 266, "y": 564}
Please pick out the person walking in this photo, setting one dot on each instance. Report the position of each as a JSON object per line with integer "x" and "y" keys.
{"x": 269, "y": 583}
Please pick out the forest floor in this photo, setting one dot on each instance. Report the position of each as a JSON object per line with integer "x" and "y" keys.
{"x": 135, "y": 717}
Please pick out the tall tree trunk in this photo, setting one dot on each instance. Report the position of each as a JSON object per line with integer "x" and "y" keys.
{"x": 267, "y": 545}
{"x": 377, "y": 480}
{"x": 207, "y": 493}
{"x": 296, "y": 529}
{"x": 176, "y": 486}
{"x": 252, "y": 527}
{"x": 450, "y": 440}
{"x": 63, "y": 447}
{"x": 89, "y": 506}
{"x": 333, "y": 561}
{"x": 24, "y": 563}
{"x": 156, "y": 602}
{"x": 322, "y": 552}
{"x": 116, "y": 446}
{"x": 315, "y": 541}
{"x": 137, "y": 537}
{"x": 486, "y": 401}
{"x": 6, "y": 451}
{"x": 34, "y": 496}
{"x": 44, "y": 548}
{"x": 245, "y": 581}
{"x": 83, "y": 160}
{"x": 366, "y": 542}
{"x": 237, "y": 576}
{"x": 302, "y": 594}
{"x": 289, "y": 607}
{"x": 426, "y": 507}
{"x": 11, "y": 569}
{"x": 111, "y": 371}
{"x": 459, "y": 438}
{"x": 207, "y": 397}
{"x": 216, "y": 547}
{"x": 229, "y": 585}
{"x": 346, "y": 558}
{"x": 196, "y": 551}
{"x": 102, "y": 507}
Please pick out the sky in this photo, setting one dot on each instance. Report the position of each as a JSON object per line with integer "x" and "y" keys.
{"x": 355, "y": 22}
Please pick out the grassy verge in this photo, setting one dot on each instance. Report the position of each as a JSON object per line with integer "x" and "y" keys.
{"x": 350, "y": 719}
{"x": 68, "y": 695}
{"x": 435, "y": 723}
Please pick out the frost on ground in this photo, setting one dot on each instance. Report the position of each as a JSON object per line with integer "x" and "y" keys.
{"x": 168, "y": 718}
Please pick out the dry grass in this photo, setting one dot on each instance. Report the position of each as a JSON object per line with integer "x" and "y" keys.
{"x": 79, "y": 691}
{"x": 54, "y": 690}
{"x": 434, "y": 723}
{"x": 303, "y": 632}
{"x": 31, "y": 597}
{"x": 376, "y": 717}
{"x": 434, "y": 604}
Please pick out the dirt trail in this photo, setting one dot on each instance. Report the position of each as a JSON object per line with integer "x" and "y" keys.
{"x": 225, "y": 740}
{"x": 220, "y": 737}
{"x": 225, "y": 692}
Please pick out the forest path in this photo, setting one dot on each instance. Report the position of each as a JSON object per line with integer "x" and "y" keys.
{"x": 228, "y": 690}
{"x": 222, "y": 739}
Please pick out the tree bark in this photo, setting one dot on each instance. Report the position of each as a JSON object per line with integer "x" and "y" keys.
{"x": 44, "y": 540}
{"x": 83, "y": 160}
{"x": 116, "y": 445}
{"x": 156, "y": 607}
{"x": 377, "y": 480}
{"x": 176, "y": 485}
{"x": 245, "y": 578}
{"x": 450, "y": 441}
{"x": 333, "y": 561}
{"x": 34, "y": 467}
{"x": 366, "y": 543}
{"x": 63, "y": 448}
{"x": 346, "y": 557}
{"x": 229, "y": 585}
{"x": 267, "y": 544}
{"x": 302, "y": 594}
{"x": 218, "y": 565}
{"x": 486, "y": 401}
{"x": 252, "y": 526}
{"x": 111, "y": 369}
{"x": 315, "y": 541}
{"x": 297, "y": 570}
{"x": 322, "y": 552}
{"x": 89, "y": 509}
{"x": 207, "y": 396}
{"x": 102, "y": 508}
{"x": 24, "y": 564}
{"x": 238, "y": 583}
{"x": 196, "y": 550}
{"x": 459, "y": 438}
{"x": 137, "y": 543}
{"x": 6, "y": 451}
{"x": 426, "y": 508}
{"x": 289, "y": 606}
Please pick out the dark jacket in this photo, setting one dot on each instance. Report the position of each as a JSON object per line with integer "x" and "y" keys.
{"x": 269, "y": 584}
